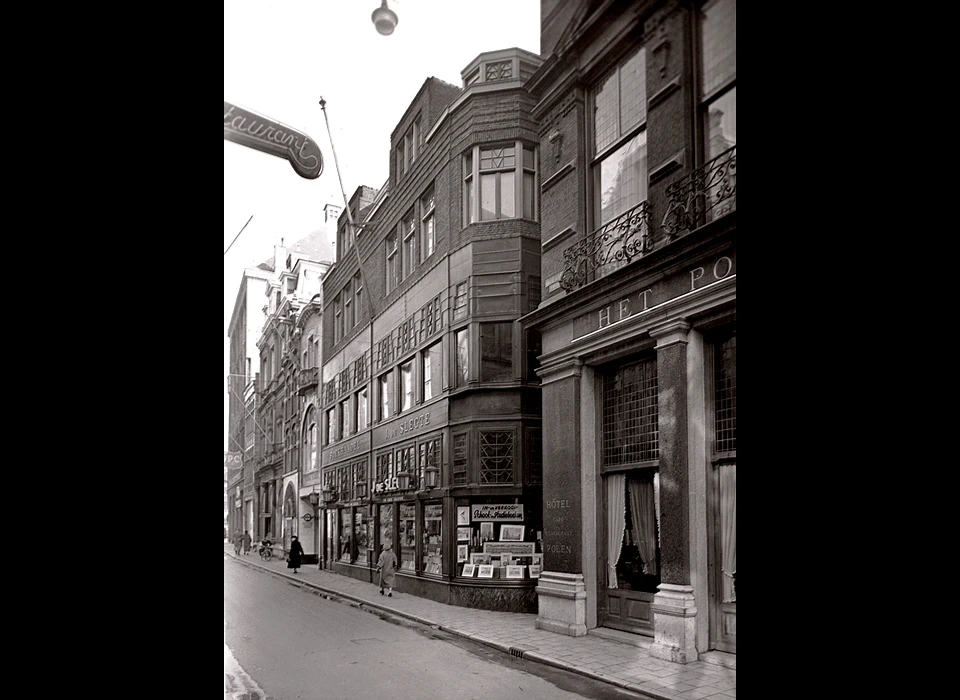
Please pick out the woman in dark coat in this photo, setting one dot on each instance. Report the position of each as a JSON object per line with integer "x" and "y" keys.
{"x": 296, "y": 552}
{"x": 387, "y": 568}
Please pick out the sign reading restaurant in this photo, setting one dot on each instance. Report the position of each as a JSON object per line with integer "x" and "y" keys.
{"x": 263, "y": 134}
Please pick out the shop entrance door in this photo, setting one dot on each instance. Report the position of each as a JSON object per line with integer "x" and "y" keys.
{"x": 723, "y": 557}
{"x": 632, "y": 561}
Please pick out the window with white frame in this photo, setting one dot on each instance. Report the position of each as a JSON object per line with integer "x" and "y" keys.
{"x": 406, "y": 385}
{"x": 620, "y": 138}
{"x": 462, "y": 350}
{"x": 392, "y": 267}
{"x": 337, "y": 319}
{"x": 358, "y": 296}
{"x": 460, "y": 301}
{"x": 386, "y": 382}
{"x": 408, "y": 230}
{"x": 432, "y": 371}
{"x": 310, "y": 441}
{"x": 428, "y": 234}
{"x": 347, "y": 429}
{"x": 361, "y": 412}
{"x": 348, "y": 319}
{"x": 499, "y": 182}
{"x": 331, "y": 425}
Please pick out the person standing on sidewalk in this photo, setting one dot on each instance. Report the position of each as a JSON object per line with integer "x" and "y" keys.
{"x": 296, "y": 552}
{"x": 237, "y": 539}
{"x": 387, "y": 568}
{"x": 246, "y": 542}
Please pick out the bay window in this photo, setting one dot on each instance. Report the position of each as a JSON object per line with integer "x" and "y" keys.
{"x": 496, "y": 178}
{"x": 462, "y": 350}
{"x": 496, "y": 351}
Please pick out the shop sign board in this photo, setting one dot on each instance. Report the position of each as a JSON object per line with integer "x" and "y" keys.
{"x": 253, "y": 130}
{"x": 641, "y": 302}
{"x": 499, "y": 511}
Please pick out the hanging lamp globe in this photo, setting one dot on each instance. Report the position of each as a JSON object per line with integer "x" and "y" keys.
{"x": 384, "y": 19}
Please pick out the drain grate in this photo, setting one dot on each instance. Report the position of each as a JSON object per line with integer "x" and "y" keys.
{"x": 514, "y": 651}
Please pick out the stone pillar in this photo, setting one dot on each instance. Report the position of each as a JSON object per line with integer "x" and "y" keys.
{"x": 561, "y": 592}
{"x": 674, "y": 605}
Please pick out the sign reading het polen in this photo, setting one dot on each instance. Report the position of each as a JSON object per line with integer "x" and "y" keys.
{"x": 260, "y": 133}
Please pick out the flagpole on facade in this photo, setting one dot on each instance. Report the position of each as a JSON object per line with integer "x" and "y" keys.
{"x": 354, "y": 228}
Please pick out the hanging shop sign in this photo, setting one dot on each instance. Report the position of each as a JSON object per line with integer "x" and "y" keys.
{"x": 263, "y": 134}
{"x": 499, "y": 512}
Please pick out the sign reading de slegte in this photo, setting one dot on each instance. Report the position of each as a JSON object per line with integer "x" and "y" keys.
{"x": 263, "y": 134}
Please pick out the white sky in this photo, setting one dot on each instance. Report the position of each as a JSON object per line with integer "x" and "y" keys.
{"x": 280, "y": 58}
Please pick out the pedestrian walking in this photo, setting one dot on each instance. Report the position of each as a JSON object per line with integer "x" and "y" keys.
{"x": 237, "y": 540}
{"x": 246, "y": 542}
{"x": 296, "y": 552}
{"x": 387, "y": 568}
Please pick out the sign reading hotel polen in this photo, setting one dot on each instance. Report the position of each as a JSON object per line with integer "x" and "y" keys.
{"x": 264, "y": 134}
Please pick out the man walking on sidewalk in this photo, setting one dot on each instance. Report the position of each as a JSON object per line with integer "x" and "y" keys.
{"x": 246, "y": 542}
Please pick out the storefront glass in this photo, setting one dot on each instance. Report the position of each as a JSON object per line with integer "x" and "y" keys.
{"x": 408, "y": 537}
{"x": 361, "y": 521}
{"x": 432, "y": 538}
{"x": 495, "y": 532}
{"x": 346, "y": 535}
{"x": 386, "y": 525}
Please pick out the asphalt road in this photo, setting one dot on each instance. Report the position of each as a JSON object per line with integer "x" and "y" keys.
{"x": 283, "y": 642}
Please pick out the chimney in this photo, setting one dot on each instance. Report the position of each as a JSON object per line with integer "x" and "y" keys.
{"x": 279, "y": 257}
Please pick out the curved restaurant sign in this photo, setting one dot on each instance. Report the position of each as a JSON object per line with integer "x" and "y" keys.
{"x": 263, "y": 134}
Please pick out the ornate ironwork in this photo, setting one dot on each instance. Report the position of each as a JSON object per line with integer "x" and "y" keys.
{"x": 612, "y": 246}
{"x": 702, "y": 196}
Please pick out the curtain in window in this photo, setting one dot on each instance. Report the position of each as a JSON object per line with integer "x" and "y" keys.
{"x": 616, "y": 522}
{"x": 644, "y": 522}
{"x": 728, "y": 530}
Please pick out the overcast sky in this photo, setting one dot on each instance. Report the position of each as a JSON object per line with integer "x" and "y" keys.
{"x": 280, "y": 58}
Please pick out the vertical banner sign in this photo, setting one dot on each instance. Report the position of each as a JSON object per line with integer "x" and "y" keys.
{"x": 261, "y": 133}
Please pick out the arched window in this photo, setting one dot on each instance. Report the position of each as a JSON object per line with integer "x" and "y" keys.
{"x": 310, "y": 441}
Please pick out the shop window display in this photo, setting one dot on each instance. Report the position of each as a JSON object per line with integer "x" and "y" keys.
{"x": 408, "y": 536}
{"x": 432, "y": 538}
{"x": 362, "y": 522}
{"x": 386, "y": 524}
{"x": 498, "y": 534}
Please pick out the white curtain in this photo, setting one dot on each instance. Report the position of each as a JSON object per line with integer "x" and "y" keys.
{"x": 616, "y": 522}
{"x": 728, "y": 530}
{"x": 656, "y": 502}
{"x": 644, "y": 522}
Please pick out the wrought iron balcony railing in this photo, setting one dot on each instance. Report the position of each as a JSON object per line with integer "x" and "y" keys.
{"x": 706, "y": 194}
{"x": 611, "y": 246}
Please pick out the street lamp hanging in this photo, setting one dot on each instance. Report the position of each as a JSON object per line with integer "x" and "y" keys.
{"x": 384, "y": 19}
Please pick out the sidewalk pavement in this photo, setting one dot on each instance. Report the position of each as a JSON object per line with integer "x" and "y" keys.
{"x": 605, "y": 655}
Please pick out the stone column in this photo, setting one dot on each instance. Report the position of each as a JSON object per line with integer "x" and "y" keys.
{"x": 561, "y": 593}
{"x": 674, "y": 605}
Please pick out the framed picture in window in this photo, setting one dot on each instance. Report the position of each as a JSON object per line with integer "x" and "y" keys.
{"x": 462, "y": 552}
{"x": 534, "y": 571}
{"x": 463, "y": 515}
{"x": 478, "y": 558}
{"x": 463, "y": 534}
{"x": 511, "y": 533}
{"x": 468, "y": 570}
{"x": 515, "y": 571}
{"x": 486, "y": 531}
{"x": 485, "y": 571}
